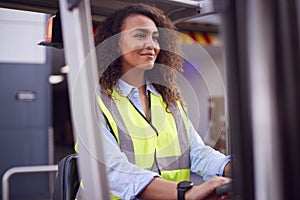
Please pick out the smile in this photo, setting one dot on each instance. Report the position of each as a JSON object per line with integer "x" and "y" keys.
{"x": 148, "y": 55}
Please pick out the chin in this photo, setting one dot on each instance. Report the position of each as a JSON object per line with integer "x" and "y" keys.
{"x": 146, "y": 66}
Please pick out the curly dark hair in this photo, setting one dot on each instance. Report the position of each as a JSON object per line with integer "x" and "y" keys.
{"x": 109, "y": 64}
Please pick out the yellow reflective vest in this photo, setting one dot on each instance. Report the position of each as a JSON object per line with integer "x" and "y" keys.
{"x": 160, "y": 145}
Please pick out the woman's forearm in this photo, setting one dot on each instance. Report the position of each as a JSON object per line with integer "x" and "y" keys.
{"x": 167, "y": 190}
{"x": 160, "y": 189}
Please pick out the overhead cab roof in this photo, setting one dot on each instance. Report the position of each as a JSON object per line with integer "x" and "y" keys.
{"x": 176, "y": 10}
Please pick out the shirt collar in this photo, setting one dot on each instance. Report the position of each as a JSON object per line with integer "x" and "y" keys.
{"x": 125, "y": 89}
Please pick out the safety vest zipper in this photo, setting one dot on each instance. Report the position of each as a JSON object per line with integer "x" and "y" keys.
{"x": 149, "y": 122}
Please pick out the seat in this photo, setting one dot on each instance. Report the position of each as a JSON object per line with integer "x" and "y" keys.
{"x": 67, "y": 181}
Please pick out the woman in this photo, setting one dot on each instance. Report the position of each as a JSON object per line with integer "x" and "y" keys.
{"x": 153, "y": 146}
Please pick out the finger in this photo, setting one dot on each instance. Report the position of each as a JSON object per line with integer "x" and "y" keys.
{"x": 223, "y": 197}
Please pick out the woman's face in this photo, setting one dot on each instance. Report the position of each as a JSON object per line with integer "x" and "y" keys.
{"x": 138, "y": 43}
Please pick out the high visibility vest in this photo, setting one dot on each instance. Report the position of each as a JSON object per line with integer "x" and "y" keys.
{"x": 160, "y": 145}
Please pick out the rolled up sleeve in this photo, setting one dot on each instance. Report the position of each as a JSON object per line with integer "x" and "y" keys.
{"x": 205, "y": 161}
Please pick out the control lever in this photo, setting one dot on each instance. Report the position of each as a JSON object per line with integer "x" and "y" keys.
{"x": 224, "y": 189}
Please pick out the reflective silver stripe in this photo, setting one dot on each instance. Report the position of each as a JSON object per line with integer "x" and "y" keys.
{"x": 126, "y": 144}
{"x": 174, "y": 162}
{"x": 182, "y": 133}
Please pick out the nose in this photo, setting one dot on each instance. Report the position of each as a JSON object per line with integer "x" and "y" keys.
{"x": 149, "y": 43}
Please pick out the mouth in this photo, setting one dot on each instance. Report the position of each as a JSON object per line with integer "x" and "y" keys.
{"x": 151, "y": 55}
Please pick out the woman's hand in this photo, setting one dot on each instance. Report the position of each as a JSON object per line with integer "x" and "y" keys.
{"x": 206, "y": 190}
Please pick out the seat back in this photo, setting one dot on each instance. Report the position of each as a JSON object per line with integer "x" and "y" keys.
{"x": 67, "y": 181}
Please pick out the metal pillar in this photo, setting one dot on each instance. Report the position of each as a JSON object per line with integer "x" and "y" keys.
{"x": 262, "y": 68}
{"x": 82, "y": 82}
{"x": 261, "y": 91}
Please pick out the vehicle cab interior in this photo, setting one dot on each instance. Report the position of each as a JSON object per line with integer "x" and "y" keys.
{"x": 241, "y": 68}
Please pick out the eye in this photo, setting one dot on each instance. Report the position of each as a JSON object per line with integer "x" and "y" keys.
{"x": 155, "y": 38}
{"x": 140, "y": 36}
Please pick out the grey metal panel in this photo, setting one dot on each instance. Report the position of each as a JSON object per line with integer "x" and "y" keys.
{"x": 24, "y": 125}
{"x": 16, "y": 78}
{"x": 25, "y": 147}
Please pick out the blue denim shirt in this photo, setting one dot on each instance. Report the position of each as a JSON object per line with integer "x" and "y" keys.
{"x": 127, "y": 180}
